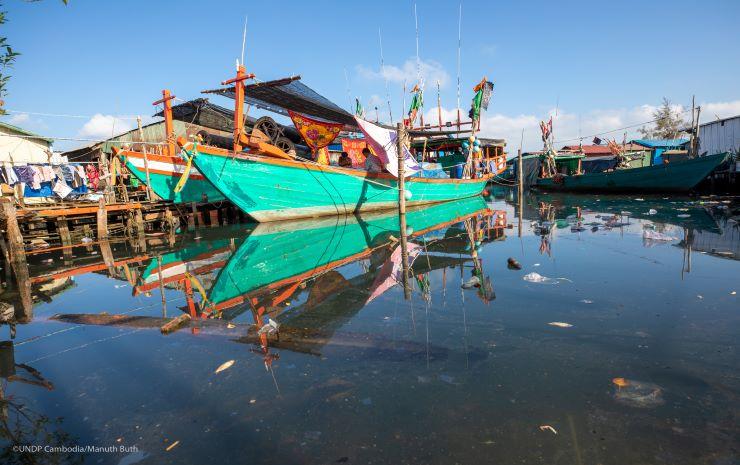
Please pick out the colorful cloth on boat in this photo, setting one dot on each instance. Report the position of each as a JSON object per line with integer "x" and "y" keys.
{"x": 317, "y": 134}
{"x": 43, "y": 190}
{"x": 417, "y": 102}
{"x": 384, "y": 145}
{"x": 322, "y": 156}
{"x": 354, "y": 147}
{"x": 483, "y": 91}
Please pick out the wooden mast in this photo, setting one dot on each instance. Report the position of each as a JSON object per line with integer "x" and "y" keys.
{"x": 169, "y": 131}
{"x": 238, "y": 81}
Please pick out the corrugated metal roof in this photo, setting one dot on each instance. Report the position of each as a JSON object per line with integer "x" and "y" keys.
{"x": 660, "y": 143}
{"x": 24, "y": 132}
{"x": 597, "y": 150}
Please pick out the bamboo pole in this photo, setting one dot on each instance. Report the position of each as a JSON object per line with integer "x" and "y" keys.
{"x": 520, "y": 183}
{"x": 402, "y": 210}
{"x": 146, "y": 160}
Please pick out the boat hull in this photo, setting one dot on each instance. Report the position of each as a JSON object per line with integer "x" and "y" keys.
{"x": 271, "y": 189}
{"x": 164, "y": 174}
{"x": 680, "y": 176}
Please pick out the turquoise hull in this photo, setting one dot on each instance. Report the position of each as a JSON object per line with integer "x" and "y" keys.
{"x": 278, "y": 253}
{"x": 163, "y": 181}
{"x": 679, "y": 176}
{"x": 270, "y": 189}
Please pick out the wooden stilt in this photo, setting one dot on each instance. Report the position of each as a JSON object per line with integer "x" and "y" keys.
{"x": 402, "y": 211}
{"x": 63, "y": 228}
{"x": 214, "y": 217}
{"x": 23, "y": 312}
{"x": 102, "y": 220}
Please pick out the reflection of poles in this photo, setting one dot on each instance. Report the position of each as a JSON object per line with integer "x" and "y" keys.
{"x": 400, "y": 136}
{"x": 161, "y": 286}
{"x": 520, "y": 189}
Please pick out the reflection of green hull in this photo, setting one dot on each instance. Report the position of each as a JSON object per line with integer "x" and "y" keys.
{"x": 202, "y": 257}
{"x": 666, "y": 211}
{"x": 280, "y": 252}
{"x": 270, "y": 189}
{"x": 679, "y": 176}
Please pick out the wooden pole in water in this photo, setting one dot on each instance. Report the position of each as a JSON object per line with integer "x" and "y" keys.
{"x": 400, "y": 136}
{"x": 102, "y": 220}
{"x": 169, "y": 130}
{"x": 520, "y": 189}
{"x": 146, "y": 160}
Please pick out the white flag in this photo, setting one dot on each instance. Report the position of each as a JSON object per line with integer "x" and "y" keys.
{"x": 383, "y": 142}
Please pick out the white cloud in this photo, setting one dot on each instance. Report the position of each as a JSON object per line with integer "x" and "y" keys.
{"x": 431, "y": 72}
{"x": 104, "y": 127}
{"x": 568, "y": 126}
{"x": 712, "y": 111}
{"x": 19, "y": 118}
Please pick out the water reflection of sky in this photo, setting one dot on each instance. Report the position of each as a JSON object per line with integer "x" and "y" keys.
{"x": 448, "y": 378}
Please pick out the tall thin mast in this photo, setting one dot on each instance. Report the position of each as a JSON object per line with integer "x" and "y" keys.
{"x": 169, "y": 131}
{"x": 459, "y": 41}
{"x": 382, "y": 70}
{"x": 418, "y": 69}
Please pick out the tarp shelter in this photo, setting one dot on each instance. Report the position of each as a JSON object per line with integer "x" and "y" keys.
{"x": 20, "y": 146}
{"x": 281, "y": 95}
{"x": 658, "y": 146}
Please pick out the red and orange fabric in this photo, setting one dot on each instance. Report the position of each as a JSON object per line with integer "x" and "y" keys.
{"x": 317, "y": 134}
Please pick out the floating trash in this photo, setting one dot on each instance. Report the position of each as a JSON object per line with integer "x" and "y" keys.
{"x": 471, "y": 283}
{"x": 224, "y": 366}
{"x": 548, "y": 428}
{"x": 538, "y": 278}
{"x": 271, "y": 327}
{"x": 637, "y": 394}
{"x": 656, "y": 236}
{"x": 652, "y": 211}
{"x": 587, "y": 301}
{"x": 683, "y": 215}
{"x": 560, "y": 324}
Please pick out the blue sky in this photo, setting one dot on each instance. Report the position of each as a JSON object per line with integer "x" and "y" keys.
{"x": 604, "y": 64}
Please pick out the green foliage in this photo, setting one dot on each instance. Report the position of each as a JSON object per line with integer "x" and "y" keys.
{"x": 668, "y": 123}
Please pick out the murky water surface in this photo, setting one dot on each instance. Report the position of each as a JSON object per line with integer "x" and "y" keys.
{"x": 615, "y": 343}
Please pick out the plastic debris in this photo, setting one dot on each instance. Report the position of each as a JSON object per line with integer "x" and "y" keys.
{"x": 471, "y": 283}
{"x": 513, "y": 264}
{"x": 172, "y": 446}
{"x": 683, "y": 215}
{"x": 86, "y": 240}
{"x": 587, "y": 301}
{"x": 536, "y": 264}
{"x": 651, "y": 235}
{"x": 230, "y": 325}
{"x": 640, "y": 200}
{"x": 548, "y": 428}
{"x": 538, "y": 278}
{"x": 560, "y": 324}
{"x": 224, "y": 366}
{"x": 638, "y": 394}
{"x": 271, "y": 327}
{"x": 733, "y": 293}
{"x": 652, "y": 211}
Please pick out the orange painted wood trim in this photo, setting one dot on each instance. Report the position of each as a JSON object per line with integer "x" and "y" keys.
{"x": 332, "y": 169}
{"x": 54, "y": 212}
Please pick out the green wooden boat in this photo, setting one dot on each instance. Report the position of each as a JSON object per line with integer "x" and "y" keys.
{"x": 270, "y": 188}
{"x": 678, "y": 176}
{"x": 164, "y": 174}
{"x": 278, "y": 254}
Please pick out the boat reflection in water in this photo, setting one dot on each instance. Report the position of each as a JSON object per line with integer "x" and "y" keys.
{"x": 302, "y": 280}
